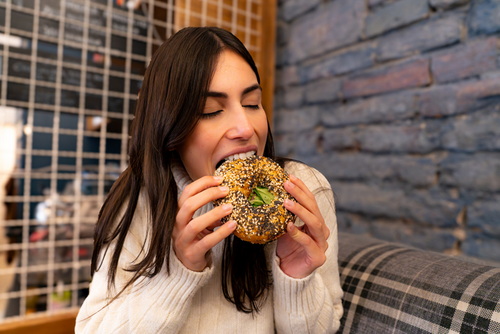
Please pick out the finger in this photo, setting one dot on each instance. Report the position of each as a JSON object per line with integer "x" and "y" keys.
{"x": 301, "y": 193}
{"x": 200, "y": 224}
{"x": 218, "y": 235}
{"x": 301, "y": 185}
{"x": 300, "y": 211}
{"x": 210, "y": 228}
{"x": 211, "y": 219}
{"x": 307, "y": 200}
{"x": 189, "y": 206}
{"x": 315, "y": 254}
{"x": 199, "y": 185}
{"x": 212, "y": 239}
{"x": 316, "y": 227}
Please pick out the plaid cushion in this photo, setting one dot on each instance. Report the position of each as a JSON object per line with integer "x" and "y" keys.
{"x": 390, "y": 288}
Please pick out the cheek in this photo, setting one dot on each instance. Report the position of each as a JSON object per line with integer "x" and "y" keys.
{"x": 262, "y": 127}
{"x": 196, "y": 143}
{"x": 195, "y": 154}
{"x": 192, "y": 145}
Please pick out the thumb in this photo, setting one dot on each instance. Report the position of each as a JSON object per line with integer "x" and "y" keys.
{"x": 299, "y": 236}
{"x": 293, "y": 231}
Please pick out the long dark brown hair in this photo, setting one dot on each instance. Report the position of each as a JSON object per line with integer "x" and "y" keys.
{"x": 170, "y": 104}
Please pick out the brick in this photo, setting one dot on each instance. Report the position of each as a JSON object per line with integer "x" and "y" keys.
{"x": 481, "y": 246}
{"x": 463, "y": 61}
{"x": 330, "y": 26}
{"x": 281, "y": 33}
{"x": 414, "y": 138}
{"x": 417, "y": 171}
{"x": 323, "y": 91}
{"x": 421, "y": 37}
{"x": 342, "y": 62}
{"x": 413, "y": 234}
{"x": 384, "y": 108}
{"x": 411, "y": 138}
{"x": 492, "y": 75}
{"x": 282, "y": 56}
{"x": 476, "y": 94}
{"x": 434, "y": 206}
{"x": 478, "y": 171}
{"x": 291, "y": 9}
{"x": 479, "y": 131}
{"x": 352, "y": 223}
{"x": 447, "y": 4}
{"x": 374, "y": 3}
{"x": 286, "y": 76}
{"x": 307, "y": 143}
{"x": 438, "y": 101}
{"x": 298, "y": 145}
{"x": 354, "y": 166}
{"x": 278, "y": 99}
{"x": 284, "y": 143}
{"x": 431, "y": 207}
{"x": 395, "y": 15}
{"x": 293, "y": 96}
{"x": 296, "y": 120}
{"x": 484, "y": 214}
{"x": 338, "y": 139}
{"x": 369, "y": 200}
{"x": 483, "y": 17}
{"x": 413, "y": 73}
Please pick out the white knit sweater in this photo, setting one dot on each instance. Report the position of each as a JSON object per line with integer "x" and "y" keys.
{"x": 193, "y": 302}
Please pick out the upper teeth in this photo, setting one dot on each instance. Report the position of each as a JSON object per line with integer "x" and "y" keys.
{"x": 240, "y": 155}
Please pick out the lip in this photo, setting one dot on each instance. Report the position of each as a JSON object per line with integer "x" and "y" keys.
{"x": 237, "y": 151}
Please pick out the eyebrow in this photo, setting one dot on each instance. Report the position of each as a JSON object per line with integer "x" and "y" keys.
{"x": 224, "y": 95}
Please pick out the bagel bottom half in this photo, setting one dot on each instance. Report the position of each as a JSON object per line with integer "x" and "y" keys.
{"x": 257, "y": 194}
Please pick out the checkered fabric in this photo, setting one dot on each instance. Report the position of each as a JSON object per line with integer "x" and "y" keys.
{"x": 390, "y": 288}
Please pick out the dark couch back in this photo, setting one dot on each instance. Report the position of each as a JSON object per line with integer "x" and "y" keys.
{"x": 390, "y": 288}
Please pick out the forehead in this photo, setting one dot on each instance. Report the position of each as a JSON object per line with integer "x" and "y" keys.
{"x": 231, "y": 70}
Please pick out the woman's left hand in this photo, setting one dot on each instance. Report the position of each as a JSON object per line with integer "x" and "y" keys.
{"x": 302, "y": 249}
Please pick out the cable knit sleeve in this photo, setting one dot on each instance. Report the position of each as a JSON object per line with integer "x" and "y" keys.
{"x": 151, "y": 305}
{"x": 312, "y": 304}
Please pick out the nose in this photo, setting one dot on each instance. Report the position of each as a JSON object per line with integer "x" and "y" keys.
{"x": 241, "y": 126}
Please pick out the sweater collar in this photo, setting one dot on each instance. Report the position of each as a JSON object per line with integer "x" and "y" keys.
{"x": 181, "y": 176}
{"x": 182, "y": 180}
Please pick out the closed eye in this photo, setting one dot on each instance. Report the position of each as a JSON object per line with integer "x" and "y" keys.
{"x": 252, "y": 106}
{"x": 210, "y": 114}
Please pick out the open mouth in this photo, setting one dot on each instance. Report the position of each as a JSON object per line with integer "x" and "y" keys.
{"x": 235, "y": 157}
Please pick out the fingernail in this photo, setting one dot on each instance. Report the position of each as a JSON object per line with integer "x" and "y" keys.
{"x": 289, "y": 202}
{"x": 218, "y": 178}
{"x": 224, "y": 188}
{"x": 290, "y": 184}
{"x": 231, "y": 224}
{"x": 291, "y": 227}
{"x": 293, "y": 177}
{"x": 227, "y": 207}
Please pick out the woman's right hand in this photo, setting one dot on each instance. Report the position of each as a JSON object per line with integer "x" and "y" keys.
{"x": 193, "y": 238}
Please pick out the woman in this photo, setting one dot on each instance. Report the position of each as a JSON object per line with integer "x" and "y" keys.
{"x": 162, "y": 261}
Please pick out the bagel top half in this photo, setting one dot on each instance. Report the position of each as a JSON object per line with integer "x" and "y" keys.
{"x": 257, "y": 194}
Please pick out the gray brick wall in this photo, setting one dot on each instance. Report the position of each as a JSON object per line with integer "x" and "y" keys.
{"x": 397, "y": 102}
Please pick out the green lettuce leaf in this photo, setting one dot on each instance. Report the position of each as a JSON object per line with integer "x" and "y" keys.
{"x": 261, "y": 196}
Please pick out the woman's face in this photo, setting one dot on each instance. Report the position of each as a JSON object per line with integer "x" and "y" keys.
{"x": 233, "y": 120}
